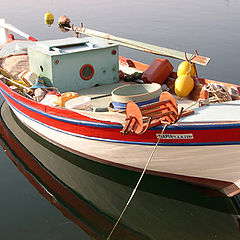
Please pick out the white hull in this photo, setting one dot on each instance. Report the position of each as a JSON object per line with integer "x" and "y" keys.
{"x": 216, "y": 167}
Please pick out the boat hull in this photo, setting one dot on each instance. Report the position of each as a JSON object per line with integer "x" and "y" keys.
{"x": 177, "y": 162}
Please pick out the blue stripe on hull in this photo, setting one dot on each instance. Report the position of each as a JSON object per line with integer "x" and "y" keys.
{"x": 125, "y": 142}
{"x": 104, "y": 125}
{"x": 63, "y": 119}
{"x": 85, "y": 123}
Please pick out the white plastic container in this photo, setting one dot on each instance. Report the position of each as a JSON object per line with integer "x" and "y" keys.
{"x": 48, "y": 100}
{"x": 80, "y": 103}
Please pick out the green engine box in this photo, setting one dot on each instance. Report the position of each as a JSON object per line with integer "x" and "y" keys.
{"x": 72, "y": 64}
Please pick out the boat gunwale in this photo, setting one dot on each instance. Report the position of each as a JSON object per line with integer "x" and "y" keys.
{"x": 100, "y": 123}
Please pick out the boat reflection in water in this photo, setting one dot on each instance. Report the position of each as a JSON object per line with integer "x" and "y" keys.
{"x": 93, "y": 195}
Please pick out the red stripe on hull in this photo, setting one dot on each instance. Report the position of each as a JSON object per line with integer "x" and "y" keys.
{"x": 47, "y": 109}
{"x": 171, "y": 136}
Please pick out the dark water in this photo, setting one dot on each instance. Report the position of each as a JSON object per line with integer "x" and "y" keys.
{"x": 211, "y": 27}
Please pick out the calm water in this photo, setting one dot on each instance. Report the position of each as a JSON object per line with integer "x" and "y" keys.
{"x": 211, "y": 27}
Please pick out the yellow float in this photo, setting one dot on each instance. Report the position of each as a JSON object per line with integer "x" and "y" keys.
{"x": 186, "y": 68}
{"x": 183, "y": 86}
{"x": 48, "y": 18}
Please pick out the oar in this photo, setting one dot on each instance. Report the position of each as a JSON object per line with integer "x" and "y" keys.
{"x": 9, "y": 77}
{"x": 18, "y": 84}
{"x": 143, "y": 46}
{"x": 16, "y": 30}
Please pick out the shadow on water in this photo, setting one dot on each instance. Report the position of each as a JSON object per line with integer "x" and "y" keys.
{"x": 92, "y": 195}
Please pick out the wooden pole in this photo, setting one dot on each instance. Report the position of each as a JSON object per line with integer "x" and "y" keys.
{"x": 18, "y": 84}
{"x": 143, "y": 46}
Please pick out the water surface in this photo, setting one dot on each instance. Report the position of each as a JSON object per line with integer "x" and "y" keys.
{"x": 211, "y": 27}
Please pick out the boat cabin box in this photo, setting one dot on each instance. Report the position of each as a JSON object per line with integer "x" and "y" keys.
{"x": 72, "y": 64}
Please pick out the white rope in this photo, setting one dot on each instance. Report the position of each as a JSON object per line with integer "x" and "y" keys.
{"x": 139, "y": 180}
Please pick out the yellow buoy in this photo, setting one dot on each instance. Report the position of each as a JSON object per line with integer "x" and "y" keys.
{"x": 48, "y": 18}
{"x": 186, "y": 68}
{"x": 183, "y": 86}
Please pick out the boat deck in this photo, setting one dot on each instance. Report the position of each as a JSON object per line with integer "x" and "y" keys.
{"x": 226, "y": 111}
{"x": 101, "y": 98}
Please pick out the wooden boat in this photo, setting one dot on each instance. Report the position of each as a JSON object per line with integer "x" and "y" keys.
{"x": 197, "y": 144}
{"x": 91, "y": 194}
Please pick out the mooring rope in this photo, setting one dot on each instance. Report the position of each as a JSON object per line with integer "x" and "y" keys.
{"x": 138, "y": 182}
